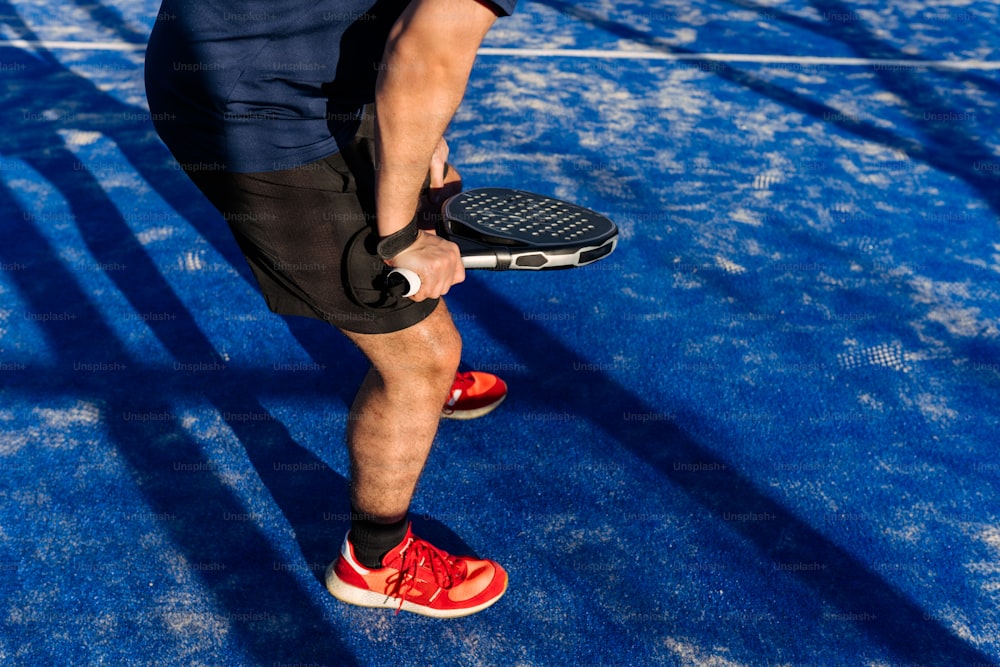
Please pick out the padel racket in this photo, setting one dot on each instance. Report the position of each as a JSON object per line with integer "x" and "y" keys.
{"x": 503, "y": 230}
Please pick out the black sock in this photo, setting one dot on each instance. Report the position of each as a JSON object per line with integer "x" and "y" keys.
{"x": 373, "y": 540}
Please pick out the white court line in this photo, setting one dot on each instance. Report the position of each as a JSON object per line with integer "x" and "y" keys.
{"x": 754, "y": 58}
{"x": 751, "y": 58}
{"x": 71, "y": 45}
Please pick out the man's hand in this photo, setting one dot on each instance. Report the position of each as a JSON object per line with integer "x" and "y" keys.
{"x": 436, "y": 261}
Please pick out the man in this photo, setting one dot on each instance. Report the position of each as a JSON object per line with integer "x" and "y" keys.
{"x": 267, "y": 105}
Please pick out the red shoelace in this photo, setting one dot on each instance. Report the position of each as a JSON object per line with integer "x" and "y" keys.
{"x": 420, "y": 554}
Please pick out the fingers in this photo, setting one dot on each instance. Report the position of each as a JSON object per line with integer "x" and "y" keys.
{"x": 445, "y": 181}
{"x": 438, "y": 160}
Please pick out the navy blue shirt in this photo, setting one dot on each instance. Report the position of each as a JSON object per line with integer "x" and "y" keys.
{"x": 261, "y": 85}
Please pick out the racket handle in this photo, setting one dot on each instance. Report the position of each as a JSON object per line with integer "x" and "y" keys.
{"x": 404, "y": 277}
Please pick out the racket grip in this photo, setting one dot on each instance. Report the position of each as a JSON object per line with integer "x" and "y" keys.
{"x": 404, "y": 277}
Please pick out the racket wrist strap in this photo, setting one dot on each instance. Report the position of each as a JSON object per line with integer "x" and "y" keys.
{"x": 395, "y": 243}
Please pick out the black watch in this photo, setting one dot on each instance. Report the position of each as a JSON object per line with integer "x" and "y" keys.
{"x": 390, "y": 246}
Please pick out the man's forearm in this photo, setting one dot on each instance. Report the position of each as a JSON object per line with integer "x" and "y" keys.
{"x": 424, "y": 73}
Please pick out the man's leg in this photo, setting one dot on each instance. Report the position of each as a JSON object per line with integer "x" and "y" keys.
{"x": 392, "y": 424}
{"x": 396, "y": 413}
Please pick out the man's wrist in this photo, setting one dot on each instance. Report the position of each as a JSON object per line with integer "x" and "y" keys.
{"x": 395, "y": 243}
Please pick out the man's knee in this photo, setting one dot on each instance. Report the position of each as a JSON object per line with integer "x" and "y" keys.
{"x": 429, "y": 351}
{"x": 435, "y": 347}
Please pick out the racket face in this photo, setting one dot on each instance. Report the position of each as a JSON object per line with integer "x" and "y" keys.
{"x": 505, "y": 217}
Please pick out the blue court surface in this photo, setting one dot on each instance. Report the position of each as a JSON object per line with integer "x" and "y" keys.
{"x": 763, "y": 432}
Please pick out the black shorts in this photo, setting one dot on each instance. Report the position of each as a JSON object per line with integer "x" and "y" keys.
{"x": 309, "y": 235}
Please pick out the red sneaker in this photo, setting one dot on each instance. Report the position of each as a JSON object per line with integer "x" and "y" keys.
{"x": 474, "y": 394}
{"x": 417, "y": 577}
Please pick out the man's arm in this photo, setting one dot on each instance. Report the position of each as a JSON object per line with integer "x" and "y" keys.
{"x": 425, "y": 70}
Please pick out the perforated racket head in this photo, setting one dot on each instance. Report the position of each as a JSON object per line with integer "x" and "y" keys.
{"x": 505, "y": 217}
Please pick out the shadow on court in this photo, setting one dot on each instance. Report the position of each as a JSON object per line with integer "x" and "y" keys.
{"x": 249, "y": 579}
{"x": 945, "y": 145}
{"x": 903, "y": 627}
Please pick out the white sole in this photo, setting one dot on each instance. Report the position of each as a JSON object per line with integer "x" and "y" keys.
{"x": 473, "y": 414}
